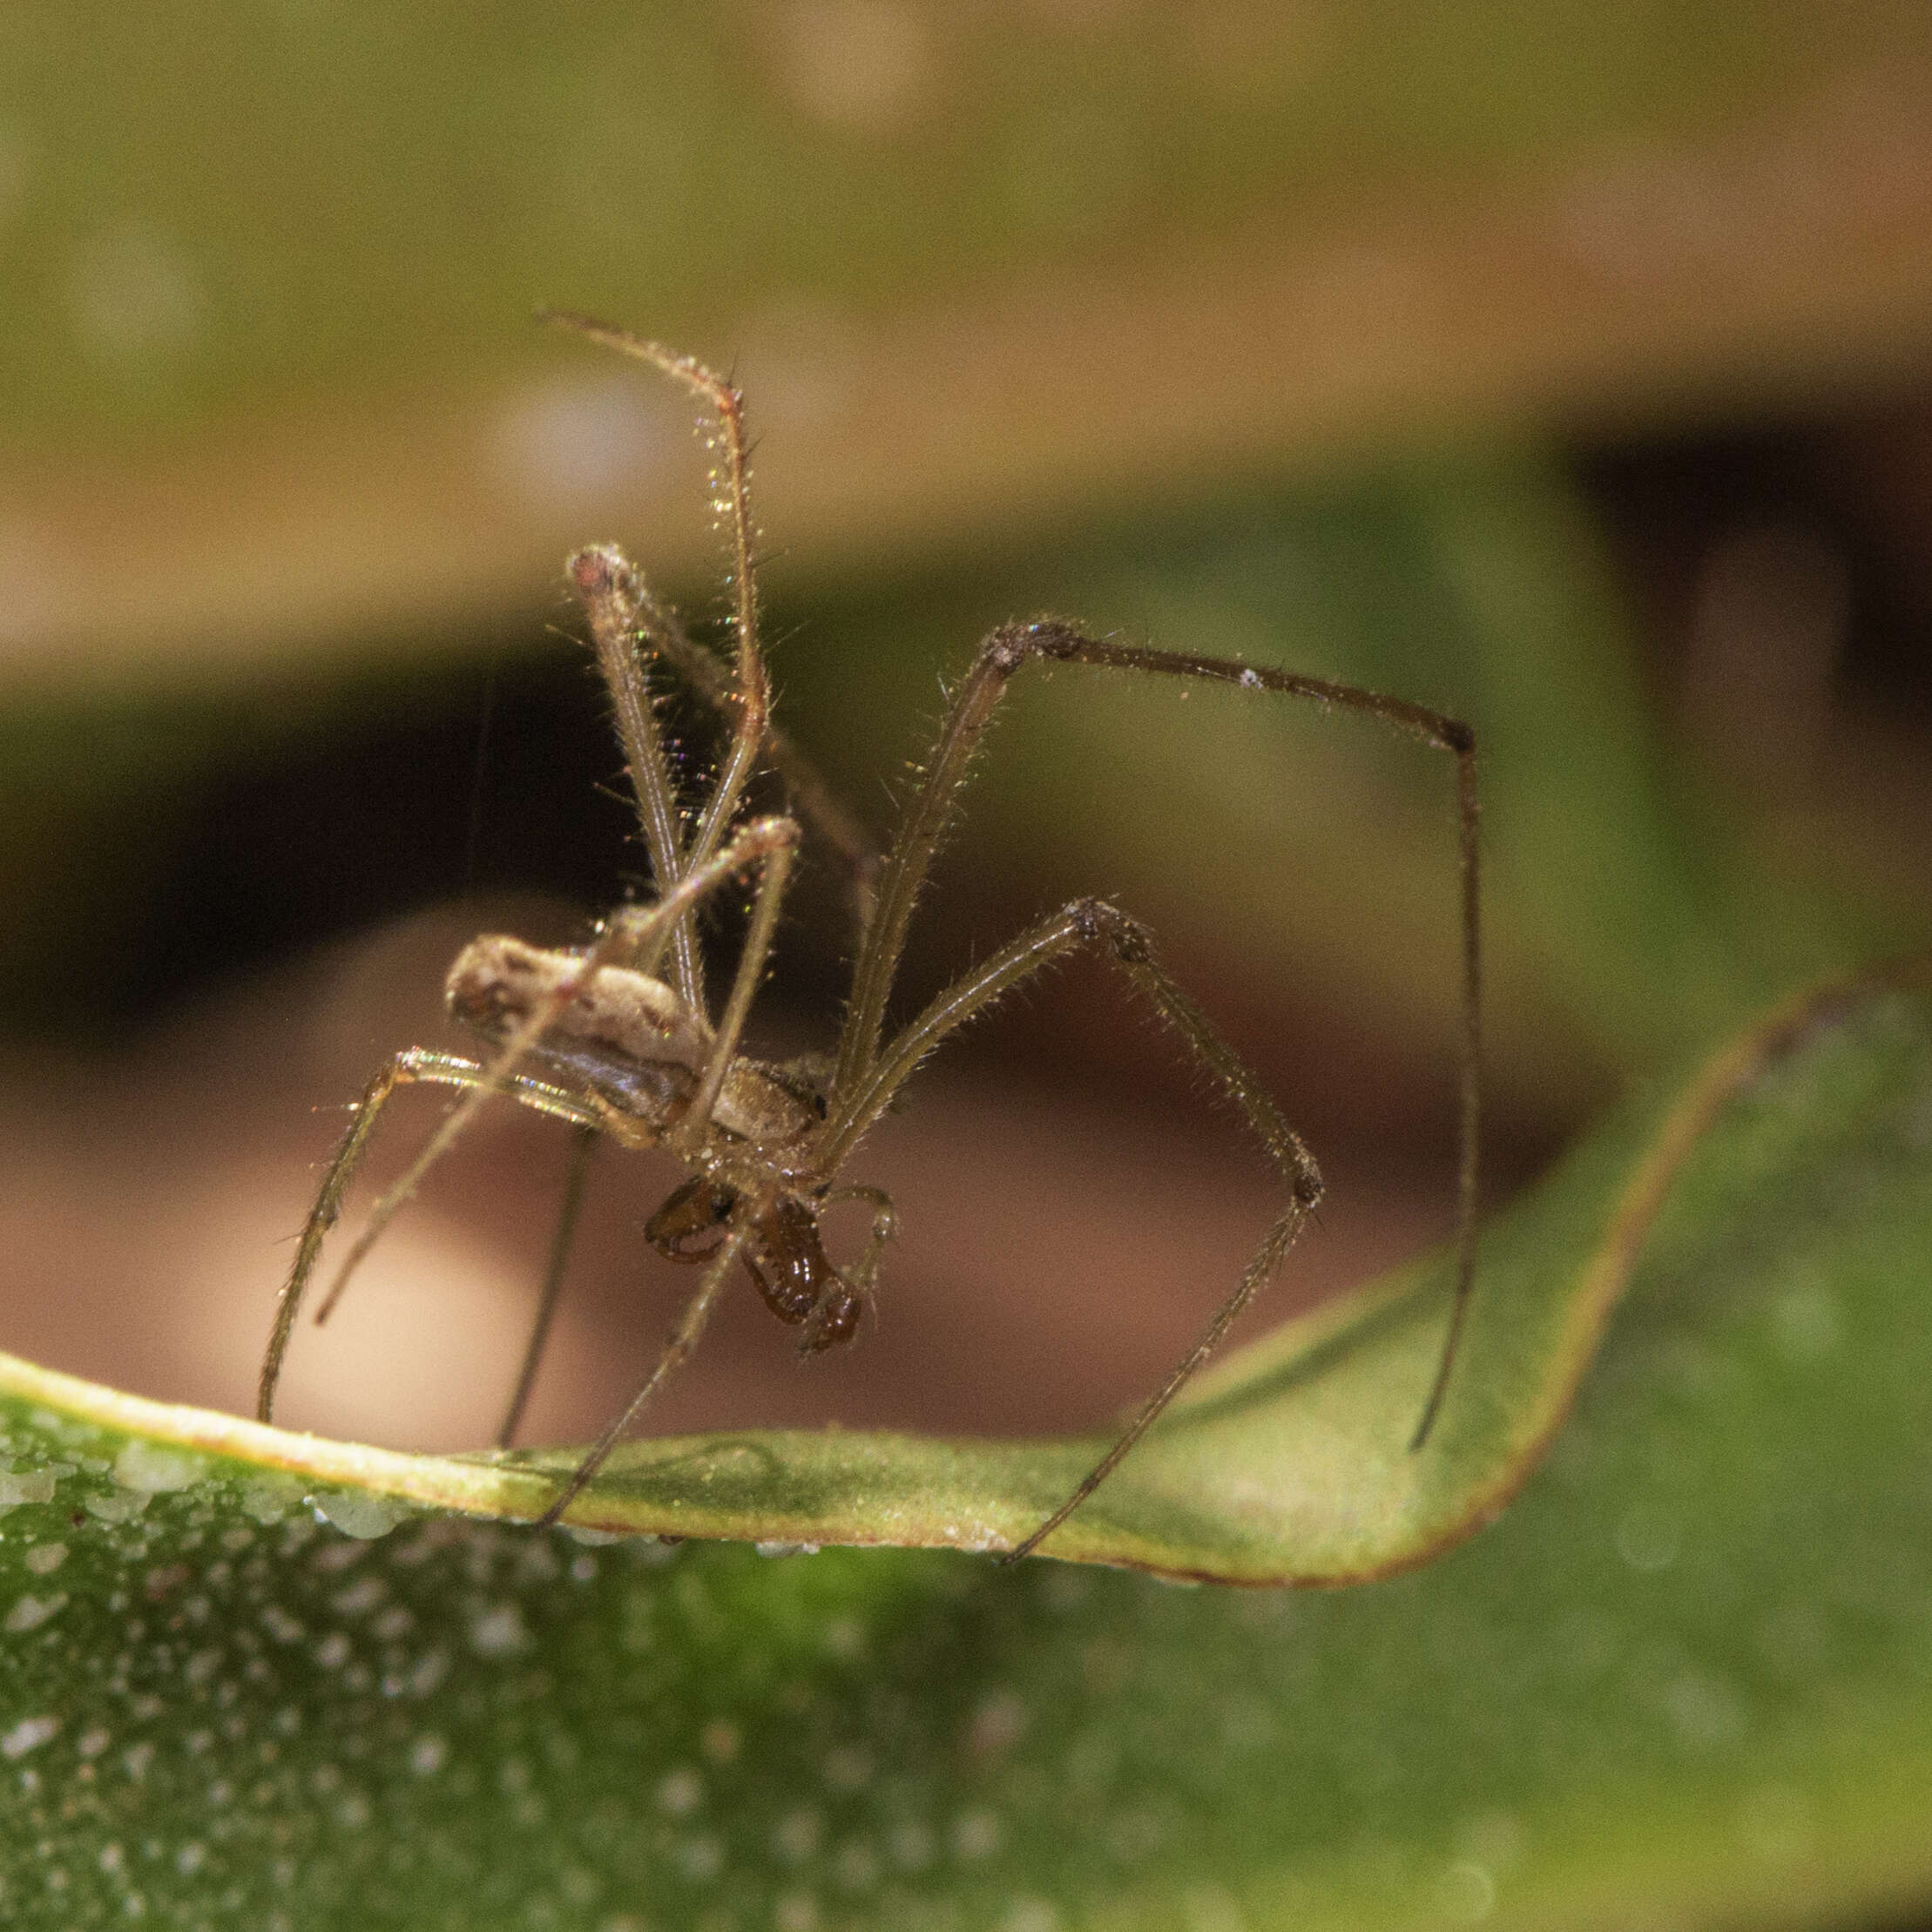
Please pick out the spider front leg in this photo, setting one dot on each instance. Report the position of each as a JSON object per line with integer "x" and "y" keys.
{"x": 767, "y": 843}
{"x": 417, "y": 1066}
{"x": 1127, "y": 943}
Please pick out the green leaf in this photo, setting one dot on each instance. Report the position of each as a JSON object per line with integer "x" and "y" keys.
{"x": 1684, "y": 1676}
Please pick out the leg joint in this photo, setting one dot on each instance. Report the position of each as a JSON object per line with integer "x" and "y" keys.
{"x": 1009, "y": 647}
{"x": 1132, "y": 942}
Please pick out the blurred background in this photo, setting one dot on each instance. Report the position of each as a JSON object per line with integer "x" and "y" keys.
{"x": 1569, "y": 369}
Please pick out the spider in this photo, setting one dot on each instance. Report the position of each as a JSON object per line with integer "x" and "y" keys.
{"x": 616, "y": 1039}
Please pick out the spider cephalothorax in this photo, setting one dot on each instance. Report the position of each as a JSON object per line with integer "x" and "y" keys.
{"x": 617, "y": 1040}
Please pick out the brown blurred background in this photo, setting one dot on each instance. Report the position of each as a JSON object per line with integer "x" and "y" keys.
{"x": 1565, "y": 369}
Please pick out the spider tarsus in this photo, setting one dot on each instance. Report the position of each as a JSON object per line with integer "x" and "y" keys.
{"x": 601, "y": 570}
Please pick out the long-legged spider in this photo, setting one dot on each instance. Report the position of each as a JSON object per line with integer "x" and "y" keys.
{"x": 623, "y": 1046}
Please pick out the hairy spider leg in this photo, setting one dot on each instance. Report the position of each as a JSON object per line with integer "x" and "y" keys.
{"x": 1129, "y": 944}
{"x": 858, "y": 1089}
{"x": 626, "y": 618}
{"x": 683, "y": 1339}
{"x": 413, "y": 1066}
{"x": 613, "y": 598}
{"x": 751, "y": 696}
{"x": 767, "y": 843}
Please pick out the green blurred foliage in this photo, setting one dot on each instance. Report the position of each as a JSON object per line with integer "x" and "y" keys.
{"x": 218, "y": 210}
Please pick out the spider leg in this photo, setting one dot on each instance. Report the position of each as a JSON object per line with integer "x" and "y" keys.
{"x": 582, "y": 1145}
{"x": 614, "y": 598}
{"x": 1126, "y": 942}
{"x": 924, "y": 826}
{"x": 414, "y": 1066}
{"x": 763, "y": 841}
{"x": 750, "y": 698}
{"x": 683, "y": 1339}
{"x": 860, "y": 1276}
{"x": 781, "y": 837}
{"x": 627, "y": 621}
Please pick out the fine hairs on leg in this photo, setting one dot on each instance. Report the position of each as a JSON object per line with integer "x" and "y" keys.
{"x": 616, "y": 1039}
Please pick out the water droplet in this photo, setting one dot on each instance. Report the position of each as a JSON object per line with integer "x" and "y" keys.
{"x": 680, "y": 1792}
{"x": 153, "y": 1469}
{"x": 847, "y": 1768}
{"x": 116, "y": 1505}
{"x": 910, "y": 1846}
{"x": 31, "y": 1613}
{"x": 855, "y": 1865}
{"x": 1029, "y": 1915}
{"x": 797, "y": 1835}
{"x": 359, "y": 1515}
{"x": 18, "y": 1486}
{"x": 976, "y": 1834}
{"x": 845, "y": 1639}
{"x": 795, "y": 1912}
{"x": 998, "y": 1723}
{"x": 362, "y": 1594}
{"x": 499, "y": 1631}
{"x": 266, "y": 1502}
{"x": 28, "y": 1735}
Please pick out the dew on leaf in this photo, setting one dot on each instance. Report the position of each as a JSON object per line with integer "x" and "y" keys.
{"x": 498, "y": 1631}
{"x": 149, "y": 1469}
{"x": 796, "y": 1836}
{"x": 17, "y": 1486}
{"x": 700, "y": 1859}
{"x": 364, "y": 1594}
{"x": 976, "y": 1834}
{"x": 31, "y": 1613}
{"x": 357, "y": 1514}
{"x": 27, "y": 1735}
{"x": 795, "y": 1912}
{"x": 116, "y": 1505}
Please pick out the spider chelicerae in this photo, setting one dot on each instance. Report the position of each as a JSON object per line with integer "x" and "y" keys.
{"x": 616, "y": 1038}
